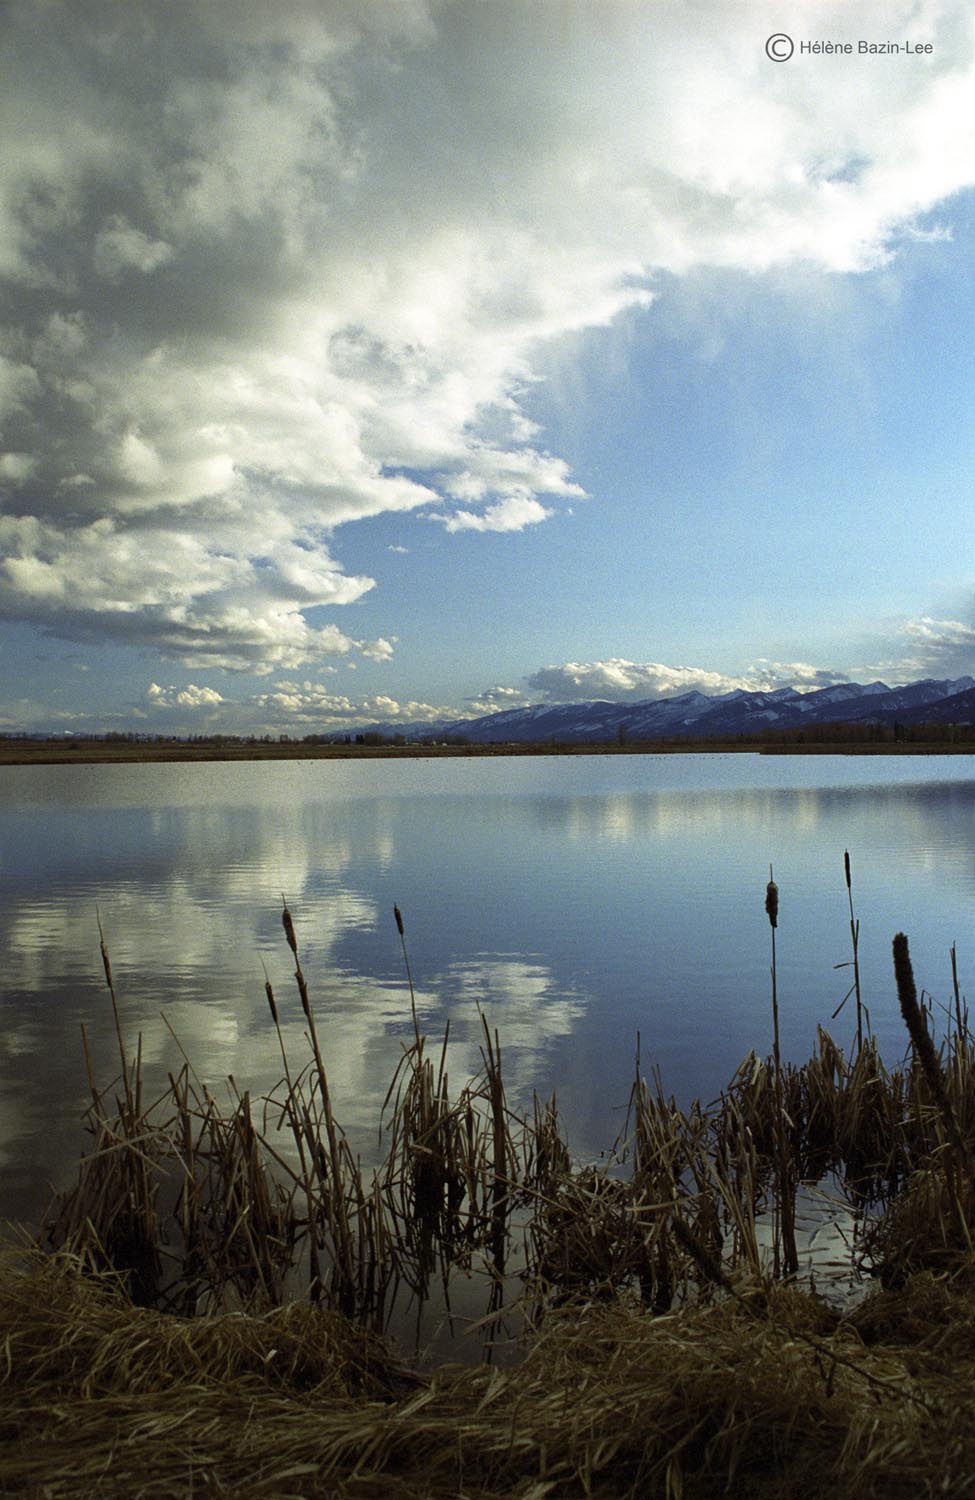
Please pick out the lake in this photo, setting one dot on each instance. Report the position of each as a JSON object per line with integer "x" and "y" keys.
{"x": 576, "y": 900}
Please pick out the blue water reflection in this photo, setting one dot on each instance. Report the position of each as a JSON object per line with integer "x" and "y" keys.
{"x": 575, "y": 901}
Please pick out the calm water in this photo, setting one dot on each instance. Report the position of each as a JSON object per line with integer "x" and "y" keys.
{"x": 577, "y": 901}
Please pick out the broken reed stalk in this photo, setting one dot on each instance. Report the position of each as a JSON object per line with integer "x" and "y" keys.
{"x": 855, "y": 940}
{"x": 499, "y": 1136}
{"x": 106, "y": 964}
{"x": 961, "y": 1018}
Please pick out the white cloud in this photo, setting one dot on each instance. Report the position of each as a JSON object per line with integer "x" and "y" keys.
{"x": 928, "y": 647}
{"x": 379, "y": 650}
{"x": 765, "y": 675}
{"x": 189, "y": 697}
{"x": 619, "y": 680}
{"x": 120, "y": 248}
{"x": 292, "y": 266}
{"x": 512, "y": 514}
{"x": 197, "y": 597}
{"x": 495, "y": 700}
{"x": 16, "y": 468}
{"x": 936, "y": 635}
{"x": 311, "y": 708}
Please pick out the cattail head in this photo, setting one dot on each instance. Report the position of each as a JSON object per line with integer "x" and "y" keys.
{"x": 101, "y": 943}
{"x": 904, "y": 977}
{"x": 919, "y": 1034}
{"x": 399, "y": 920}
{"x": 772, "y": 903}
{"x": 289, "y": 929}
{"x": 846, "y": 867}
{"x": 707, "y": 1261}
{"x": 303, "y": 992}
{"x": 270, "y": 1000}
{"x": 107, "y": 966}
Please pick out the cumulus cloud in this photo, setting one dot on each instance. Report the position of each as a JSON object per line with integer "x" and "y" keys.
{"x": 932, "y": 648}
{"x": 378, "y": 650}
{"x": 310, "y": 707}
{"x": 16, "y": 468}
{"x": 120, "y": 247}
{"x": 274, "y": 269}
{"x": 512, "y": 514}
{"x": 765, "y": 675}
{"x": 618, "y": 680}
{"x": 189, "y": 697}
{"x": 495, "y": 700}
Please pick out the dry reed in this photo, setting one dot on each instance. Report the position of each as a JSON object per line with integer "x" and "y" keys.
{"x": 644, "y": 1279}
{"x": 610, "y": 1402}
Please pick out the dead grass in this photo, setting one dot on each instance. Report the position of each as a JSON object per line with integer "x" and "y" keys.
{"x": 766, "y": 1399}
{"x": 665, "y": 1356}
{"x": 199, "y": 1208}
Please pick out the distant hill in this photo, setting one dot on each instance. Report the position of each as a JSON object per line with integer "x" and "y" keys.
{"x": 703, "y": 716}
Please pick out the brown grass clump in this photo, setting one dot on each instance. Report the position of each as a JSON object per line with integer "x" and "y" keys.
{"x": 672, "y": 1350}
{"x": 782, "y": 1399}
{"x": 666, "y": 1356}
{"x": 198, "y": 1207}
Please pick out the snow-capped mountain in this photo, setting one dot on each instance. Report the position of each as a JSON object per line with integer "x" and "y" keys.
{"x": 701, "y": 715}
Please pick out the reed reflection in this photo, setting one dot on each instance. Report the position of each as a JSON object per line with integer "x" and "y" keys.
{"x": 574, "y": 903}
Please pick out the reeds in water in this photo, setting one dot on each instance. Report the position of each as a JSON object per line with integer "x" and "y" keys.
{"x": 199, "y": 1206}
{"x": 644, "y": 1277}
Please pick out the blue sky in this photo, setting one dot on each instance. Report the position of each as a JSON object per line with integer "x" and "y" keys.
{"x": 366, "y": 362}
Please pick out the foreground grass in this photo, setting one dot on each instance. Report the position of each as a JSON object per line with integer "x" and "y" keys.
{"x": 755, "y": 1395}
{"x": 667, "y": 1356}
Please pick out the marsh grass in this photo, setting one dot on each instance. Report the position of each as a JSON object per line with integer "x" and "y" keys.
{"x": 199, "y": 1206}
{"x": 750, "y": 1399}
{"x": 206, "y": 1311}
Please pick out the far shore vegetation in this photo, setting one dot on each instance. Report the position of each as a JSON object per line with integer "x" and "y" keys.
{"x": 819, "y": 739}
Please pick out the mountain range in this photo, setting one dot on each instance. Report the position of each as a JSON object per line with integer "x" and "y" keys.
{"x": 948, "y": 701}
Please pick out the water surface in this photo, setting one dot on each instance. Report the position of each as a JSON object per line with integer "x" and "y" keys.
{"x": 576, "y": 900}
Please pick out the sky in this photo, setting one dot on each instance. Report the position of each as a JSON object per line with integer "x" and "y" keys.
{"x": 392, "y": 360}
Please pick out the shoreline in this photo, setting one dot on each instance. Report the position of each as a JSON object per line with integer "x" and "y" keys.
{"x": 17, "y": 752}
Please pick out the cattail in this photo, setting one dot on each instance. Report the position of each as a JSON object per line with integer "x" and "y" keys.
{"x": 706, "y": 1260}
{"x": 772, "y": 901}
{"x": 289, "y": 928}
{"x": 303, "y": 992}
{"x": 846, "y": 867}
{"x": 409, "y": 973}
{"x": 106, "y": 964}
{"x": 907, "y": 994}
{"x": 101, "y": 942}
{"x": 919, "y": 1034}
{"x": 270, "y": 1000}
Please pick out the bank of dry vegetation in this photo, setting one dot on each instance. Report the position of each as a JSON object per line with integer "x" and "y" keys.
{"x": 206, "y": 1313}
